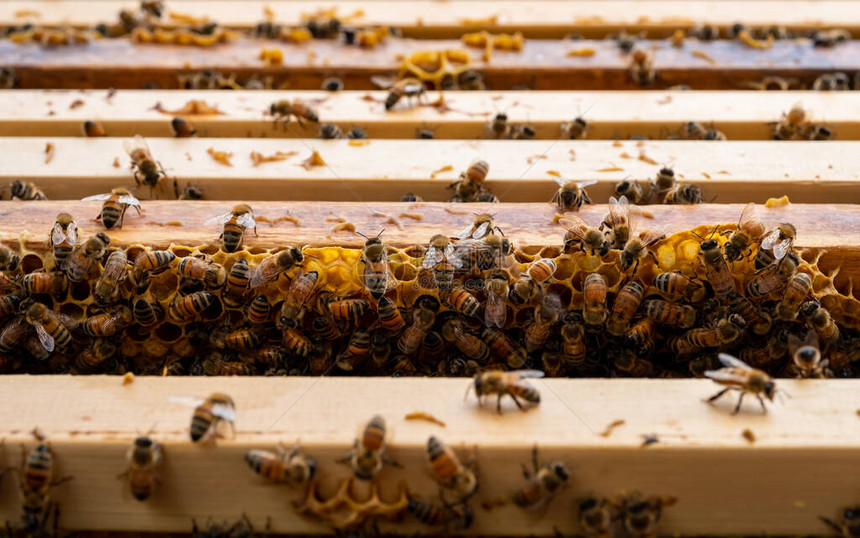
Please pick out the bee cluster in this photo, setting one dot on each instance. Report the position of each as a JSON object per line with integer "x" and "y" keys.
{"x": 604, "y": 302}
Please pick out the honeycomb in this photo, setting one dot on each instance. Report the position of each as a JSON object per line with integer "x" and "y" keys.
{"x": 332, "y": 325}
{"x": 440, "y": 69}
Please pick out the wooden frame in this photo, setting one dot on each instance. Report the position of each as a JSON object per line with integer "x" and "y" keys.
{"x": 800, "y": 465}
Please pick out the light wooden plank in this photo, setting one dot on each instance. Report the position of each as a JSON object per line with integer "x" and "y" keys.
{"x": 541, "y": 65}
{"x": 741, "y": 115}
{"x": 427, "y": 18}
{"x": 733, "y": 172}
{"x": 805, "y": 457}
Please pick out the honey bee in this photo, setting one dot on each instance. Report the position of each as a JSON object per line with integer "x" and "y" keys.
{"x": 36, "y": 478}
{"x": 152, "y": 262}
{"x": 576, "y": 129}
{"x": 749, "y": 231}
{"x": 9, "y": 305}
{"x": 455, "y": 517}
{"x": 595, "y": 517}
{"x": 55, "y": 284}
{"x": 572, "y": 333}
{"x": 194, "y": 268}
{"x": 829, "y": 38}
{"x": 116, "y": 203}
{"x": 580, "y": 235}
{"x": 849, "y": 527}
{"x": 521, "y": 132}
{"x": 719, "y": 275}
{"x": 772, "y": 278}
{"x": 790, "y": 124}
{"x": 182, "y": 128}
{"x": 594, "y": 294}
{"x": 184, "y": 309}
{"x": 441, "y": 259}
{"x": 235, "y": 222}
{"x": 796, "y": 292}
{"x": 464, "y": 302}
{"x": 483, "y": 225}
{"x": 571, "y": 195}
{"x": 49, "y": 329}
{"x": 13, "y": 333}
{"x": 147, "y": 171}
{"x": 93, "y": 129}
{"x": 282, "y": 467}
{"x": 347, "y": 310}
{"x": 477, "y": 172}
{"x": 642, "y": 68}
{"x": 524, "y": 290}
{"x": 737, "y": 375}
{"x": 806, "y": 357}
{"x": 725, "y": 332}
{"x": 637, "y": 248}
{"x": 332, "y": 84}
{"x": 498, "y": 127}
{"x": 107, "y": 324}
{"x": 368, "y": 453}
{"x": 677, "y": 286}
{"x": 9, "y": 260}
{"x": 470, "y": 345}
{"x": 618, "y": 225}
{"x": 832, "y": 82}
{"x": 273, "y": 266}
{"x": 330, "y": 131}
{"x": 26, "y": 190}
{"x": 624, "y": 308}
{"x": 510, "y": 383}
{"x": 297, "y": 342}
{"x": 411, "y": 197}
{"x": 407, "y": 87}
{"x": 685, "y": 195}
{"x": 83, "y": 259}
{"x": 189, "y": 192}
{"x": 208, "y": 417}
{"x": 357, "y": 350}
{"x": 502, "y": 347}
{"x": 659, "y": 187}
{"x": 238, "y": 340}
{"x": 283, "y": 110}
{"x": 144, "y": 457}
{"x": 542, "y": 270}
{"x": 459, "y": 482}
{"x": 822, "y": 323}
{"x": 114, "y": 274}
{"x": 412, "y": 337}
{"x": 544, "y": 482}
{"x": 546, "y": 315}
{"x": 630, "y": 190}
{"x": 146, "y": 313}
{"x": 390, "y": 317}
{"x": 666, "y": 313}
{"x": 640, "y": 515}
{"x": 776, "y": 245}
{"x": 496, "y": 310}
{"x": 96, "y": 357}
{"x": 377, "y": 277}
{"x": 236, "y": 286}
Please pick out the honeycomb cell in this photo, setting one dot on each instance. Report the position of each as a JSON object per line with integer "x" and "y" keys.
{"x": 168, "y": 332}
{"x": 30, "y": 263}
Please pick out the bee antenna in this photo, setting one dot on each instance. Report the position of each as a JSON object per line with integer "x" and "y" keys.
{"x": 587, "y": 109}
{"x": 361, "y": 234}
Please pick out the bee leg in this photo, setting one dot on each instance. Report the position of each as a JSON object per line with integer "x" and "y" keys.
{"x": 716, "y": 396}
{"x": 499, "y": 404}
{"x": 516, "y": 401}
{"x": 740, "y": 400}
{"x": 828, "y": 522}
{"x": 526, "y": 473}
{"x": 761, "y": 401}
{"x": 61, "y": 480}
{"x": 394, "y": 463}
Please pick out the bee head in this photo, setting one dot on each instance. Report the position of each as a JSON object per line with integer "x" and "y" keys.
{"x": 143, "y": 442}
{"x": 561, "y": 471}
{"x": 770, "y": 390}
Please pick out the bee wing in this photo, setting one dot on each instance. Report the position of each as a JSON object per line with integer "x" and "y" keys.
{"x": 726, "y": 375}
{"x": 452, "y": 257}
{"x": 96, "y": 198}
{"x": 465, "y": 232}
{"x": 128, "y": 199}
{"x": 247, "y": 220}
{"x": 749, "y": 217}
{"x": 495, "y": 311}
{"x": 522, "y": 374}
{"x": 267, "y": 271}
{"x": 45, "y": 339}
{"x": 76, "y": 257}
{"x": 561, "y": 181}
{"x": 58, "y": 235}
{"x": 220, "y": 219}
{"x": 382, "y": 82}
{"x": 72, "y": 234}
{"x": 619, "y": 210}
{"x": 652, "y": 235}
{"x": 224, "y": 412}
{"x": 587, "y": 183}
{"x": 733, "y": 362}
{"x": 781, "y": 249}
{"x": 188, "y": 401}
{"x": 432, "y": 257}
{"x": 412, "y": 88}
{"x": 771, "y": 240}
{"x": 481, "y": 230}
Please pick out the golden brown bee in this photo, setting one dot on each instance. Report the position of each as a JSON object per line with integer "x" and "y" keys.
{"x": 412, "y": 337}
{"x": 583, "y": 237}
{"x": 576, "y": 129}
{"x": 594, "y": 294}
{"x": 144, "y": 457}
{"x": 477, "y": 172}
{"x": 109, "y": 323}
{"x": 297, "y": 342}
{"x": 719, "y": 275}
{"x": 817, "y": 132}
{"x": 36, "y": 478}
{"x": 496, "y": 310}
{"x": 411, "y": 197}
{"x": 822, "y": 323}
{"x": 666, "y": 313}
{"x": 182, "y": 128}
{"x": 776, "y": 246}
{"x": 9, "y": 260}
{"x": 235, "y": 222}
{"x": 147, "y": 171}
{"x": 26, "y": 190}
{"x": 806, "y": 357}
{"x": 498, "y": 127}
{"x": 50, "y": 330}
{"x": 106, "y": 289}
{"x": 463, "y": 191}
{"x": 737, "y": 375}
{"x": 685, "y": 195}
{"x": 93, "y": 129}
{"x": 93, "y": 360}
{"x": 759, "y": 322}
{"x": 284, "y": 110}
{"x": 238, "y": 340}
{"x": 282, "y": 467}
{"x": 642, "y": 68}
{"x": 772, "y": 278}
{"x": 357, "y": 350}
{"x": 459, "y": 482}
{"x": 502, "y": 347}
{"x": 725, "y": 332}
{"x": 829, "y": 38}
{"x": 115, "y": 205}
{"x": 713, "y": 134}
{"x": 237, "y": 284}
{"x": 659, "y": 187}
{"x": 849, "y": 527}
{"x": 796, "y": 292}
{"x": 302, "y": 287}
{"x": 524, "y": 290}
{"x": 455, "y": 517}
{"x": 13, "y": 334}
{"x": 83, "y": 259}
{"x": 641, "y": 515}
{"x": 368, "y": 453}
{"x": 212, "y": 274}
{"x": 630, "y": 190}
{"x": 184, "y": 309}
{"x": 390, "y": 317}
{"x": 45, "y": 283}
{"x": 442, "y": 260}
{"x": 677, "y": 286}
{"x": 464, "y": 302}
{"x": 208, "y": 417}
{"x": 618, "y": 225}
{"x": 347, "y": 310}
{"x": 542, "y": 270}
{"x": 572, "y": 333}
{"x": 545, "y": 317}
{"x": 189, "y": 192}
{"x": 9, "y": 305}
{"x": 749, "y": 231}
{"x": 152, "y": 262}
{"x": 637, "y": 248}
{"x": 470, "y": 345}
{"x": 260, "y": 310}
{"x": 790, "y": 124}
{"x": 626, "y": 305}
{"x": 571, "y": 195}
{"x": 595, "y": 517}
{"x": 377, "y": 276}
{"x": 407, "y": 87}
{"x": 510, "y": 383}
{"x": 330, "y": 131}
{"x": 543, "y": 482}
{"x": 832, "y": 82}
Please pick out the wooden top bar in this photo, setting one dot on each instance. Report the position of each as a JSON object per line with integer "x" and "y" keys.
{"x": 740, "y": 115}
